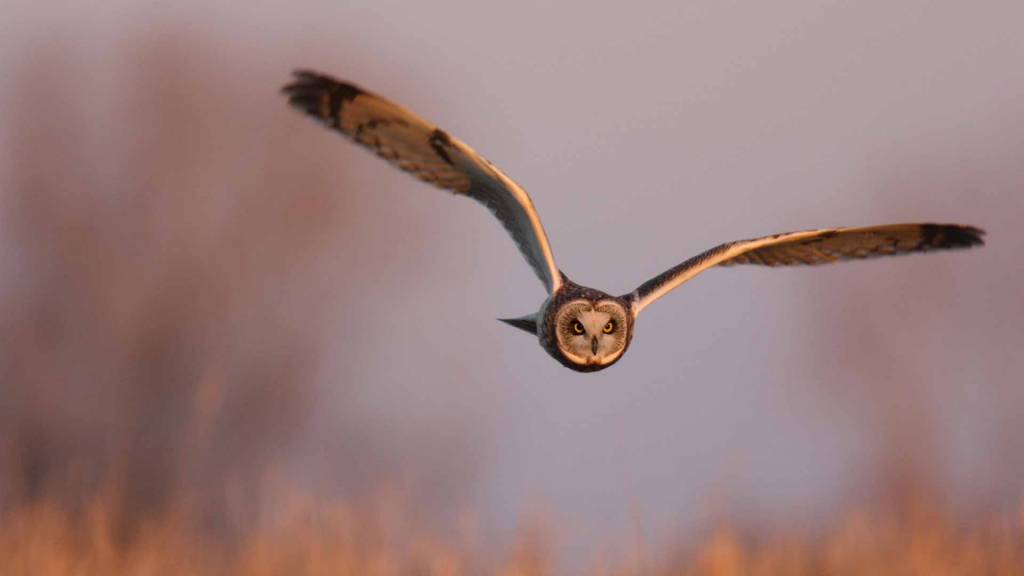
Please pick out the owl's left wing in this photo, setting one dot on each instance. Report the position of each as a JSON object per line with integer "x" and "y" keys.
{"x": 812, "y": 247}
{"x": 418, "y": 147}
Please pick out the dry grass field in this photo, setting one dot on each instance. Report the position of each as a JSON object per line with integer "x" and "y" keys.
{"x": 317, "y": 539}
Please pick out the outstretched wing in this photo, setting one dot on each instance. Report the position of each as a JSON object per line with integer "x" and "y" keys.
{"x": 428, "y": 153}
{"x": 813, "y": 247}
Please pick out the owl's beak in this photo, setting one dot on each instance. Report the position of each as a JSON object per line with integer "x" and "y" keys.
{"x": 593, "y": 345}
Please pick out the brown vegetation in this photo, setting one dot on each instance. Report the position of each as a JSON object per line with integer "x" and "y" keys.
{"x": 316, "y": 539}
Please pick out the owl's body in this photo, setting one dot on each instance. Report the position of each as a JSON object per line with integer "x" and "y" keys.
{"x": 583, "y": 328}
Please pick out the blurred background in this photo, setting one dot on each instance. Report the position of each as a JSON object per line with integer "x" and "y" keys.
{"x": 206, "y": 301}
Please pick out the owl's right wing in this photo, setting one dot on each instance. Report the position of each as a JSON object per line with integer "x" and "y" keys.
{"x": 428, "y": 153}
{"x": 812, "y": 247}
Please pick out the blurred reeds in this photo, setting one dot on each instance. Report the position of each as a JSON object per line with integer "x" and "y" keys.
{"x": 316, "y": 539}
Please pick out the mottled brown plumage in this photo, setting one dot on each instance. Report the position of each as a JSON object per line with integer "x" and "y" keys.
{"x": 847, "y": 244}
{"x": 583, "y": 328}
{"x": 428, "y": 153}
{"x": 812, "y": 247}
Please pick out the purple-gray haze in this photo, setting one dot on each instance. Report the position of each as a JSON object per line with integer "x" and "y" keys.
{"x": 200, "y": 289}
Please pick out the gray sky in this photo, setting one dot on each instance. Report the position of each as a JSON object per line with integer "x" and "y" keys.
{"x": 288, "y": 264}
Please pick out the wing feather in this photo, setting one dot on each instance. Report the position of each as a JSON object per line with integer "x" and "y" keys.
{"x": 428, "y": 153}
{"x": 813, "y": 247}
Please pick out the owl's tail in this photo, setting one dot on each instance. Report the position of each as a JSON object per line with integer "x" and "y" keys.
{"x": 526, "y": 323}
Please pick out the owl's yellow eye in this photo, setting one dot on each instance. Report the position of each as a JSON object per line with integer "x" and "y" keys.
{"x": 609, "y": 327}
{"x": 577, "y": 326}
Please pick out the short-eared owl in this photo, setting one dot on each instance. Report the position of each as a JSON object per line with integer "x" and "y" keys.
{"x": 583, "y": 328}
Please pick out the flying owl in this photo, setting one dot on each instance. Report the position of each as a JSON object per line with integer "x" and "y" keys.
{"x": 583, "y": 328}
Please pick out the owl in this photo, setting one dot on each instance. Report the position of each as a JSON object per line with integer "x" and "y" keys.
{"x": 582, "y": 328}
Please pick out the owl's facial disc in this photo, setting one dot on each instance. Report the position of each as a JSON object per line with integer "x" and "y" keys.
{"x": 591, "y": 334}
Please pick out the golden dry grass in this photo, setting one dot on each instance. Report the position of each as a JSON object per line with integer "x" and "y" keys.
{"x": 45, "y": 539}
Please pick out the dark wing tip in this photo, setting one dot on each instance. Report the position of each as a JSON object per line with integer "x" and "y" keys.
{"x": 951, "y": 236}
{"x": 319, "y": 95}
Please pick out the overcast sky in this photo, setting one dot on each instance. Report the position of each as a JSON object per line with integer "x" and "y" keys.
{"x": 154, "y": 188}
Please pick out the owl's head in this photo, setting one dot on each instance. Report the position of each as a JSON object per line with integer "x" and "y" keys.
{"x": 590, "y": 334}
{"x": 584, "y": 329}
